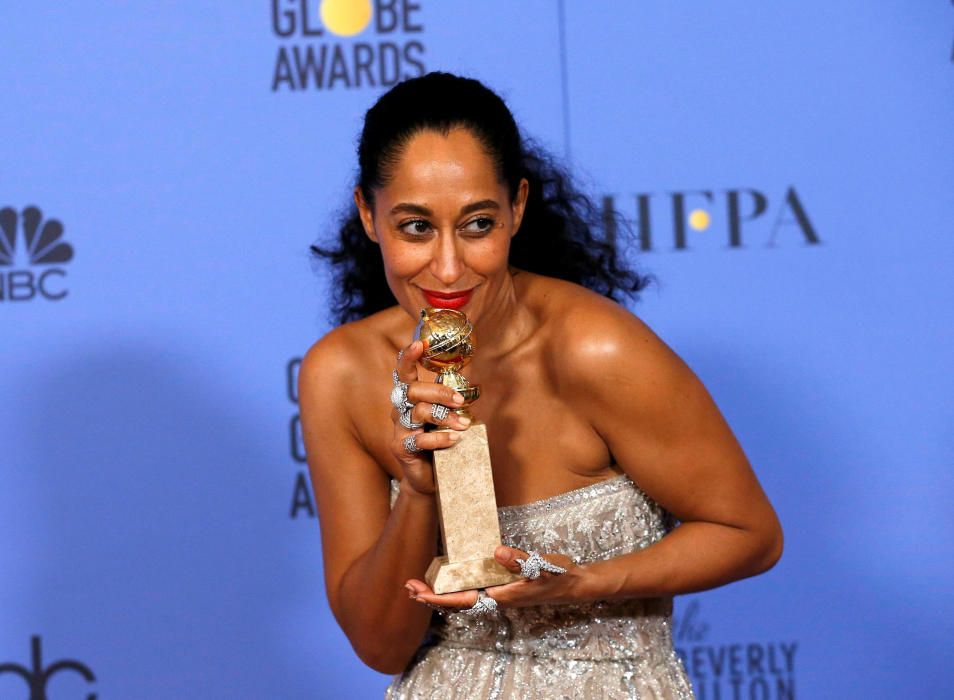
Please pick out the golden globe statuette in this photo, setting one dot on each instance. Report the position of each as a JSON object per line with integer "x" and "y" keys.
{"x": 467, "y": 506}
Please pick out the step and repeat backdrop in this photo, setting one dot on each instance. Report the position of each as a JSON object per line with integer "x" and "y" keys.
{"x": 786, "y": 171}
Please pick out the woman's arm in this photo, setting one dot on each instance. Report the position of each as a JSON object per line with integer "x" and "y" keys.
{"x": 369, "y": 550}
{"x": 668, "y": 435}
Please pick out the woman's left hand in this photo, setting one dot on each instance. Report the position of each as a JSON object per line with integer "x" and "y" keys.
{"x": 547, "y": 588}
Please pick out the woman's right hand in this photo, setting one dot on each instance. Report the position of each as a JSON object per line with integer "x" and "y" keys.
{"x": 418, "y": 470}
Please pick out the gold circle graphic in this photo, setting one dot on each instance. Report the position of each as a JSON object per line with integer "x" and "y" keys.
{"x": 345, "y": 17}
{"x": 699, "y": 219}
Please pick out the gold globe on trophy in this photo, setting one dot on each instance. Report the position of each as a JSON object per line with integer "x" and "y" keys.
{"x": 449, "y": 344}
{"x": 467, "y": 505}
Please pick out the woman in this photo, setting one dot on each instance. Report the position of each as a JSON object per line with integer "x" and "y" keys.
{"x": 600, "y": 436}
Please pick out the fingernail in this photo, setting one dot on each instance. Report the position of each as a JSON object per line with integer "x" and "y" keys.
{"x": 454, "y": 437}
{"x": 464, "y": 420}
{"x": 458, "y": 399}
{"x": 409, "y": 588}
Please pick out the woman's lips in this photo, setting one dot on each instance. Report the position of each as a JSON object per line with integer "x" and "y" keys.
{"x": 447, "y": 300}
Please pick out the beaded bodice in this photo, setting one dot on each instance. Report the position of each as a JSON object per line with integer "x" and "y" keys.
{"x": 599, "y": 521}
{"x": 614, "y": 650}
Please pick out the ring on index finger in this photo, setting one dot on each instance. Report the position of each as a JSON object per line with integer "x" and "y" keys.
{"x": 399, "y": 398}
{"x": 534, "y": 564}
{"x": 399, "y": 394}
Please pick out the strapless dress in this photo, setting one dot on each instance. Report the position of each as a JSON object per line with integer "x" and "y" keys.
{"x": 592, "y": 651}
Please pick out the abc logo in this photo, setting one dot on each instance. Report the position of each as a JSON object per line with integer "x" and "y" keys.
{"x": 37, "y": 677}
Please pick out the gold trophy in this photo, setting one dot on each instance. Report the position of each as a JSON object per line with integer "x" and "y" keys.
{"x": 467, "y": 507}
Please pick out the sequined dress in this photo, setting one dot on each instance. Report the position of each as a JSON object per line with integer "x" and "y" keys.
{"x": 595, "y": 651}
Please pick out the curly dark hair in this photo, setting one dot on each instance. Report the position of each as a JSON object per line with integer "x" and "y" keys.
{"x": 562, "y": 234}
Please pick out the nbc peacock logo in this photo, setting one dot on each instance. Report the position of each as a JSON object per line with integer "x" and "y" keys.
{"x": 42, "y": 253}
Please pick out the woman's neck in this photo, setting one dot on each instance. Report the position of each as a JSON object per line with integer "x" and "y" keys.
{"x": 506, "y": 323}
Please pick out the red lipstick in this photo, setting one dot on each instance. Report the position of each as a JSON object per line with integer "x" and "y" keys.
{"x": 447, "y": 300}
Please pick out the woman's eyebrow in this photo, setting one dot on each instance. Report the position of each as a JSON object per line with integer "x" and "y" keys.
{"x": 409, "y": 208}
{"x": 482, "y": 204}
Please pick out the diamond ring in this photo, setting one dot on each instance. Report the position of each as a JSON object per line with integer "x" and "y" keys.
{"x": 485, "y": 605}
{"x": 406, "y": 421}
{"x": 439, "y": 412}
{"x": 534, "y": 564}
{"x": 399, "y": 397}
{"x": 410, "y": 444}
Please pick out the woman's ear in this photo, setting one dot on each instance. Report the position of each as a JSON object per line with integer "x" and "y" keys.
{"x": 364, "y": 212}
{"x": 519, "y": 204}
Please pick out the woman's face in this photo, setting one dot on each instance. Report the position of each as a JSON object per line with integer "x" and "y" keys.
{"x": 444, "y": 224}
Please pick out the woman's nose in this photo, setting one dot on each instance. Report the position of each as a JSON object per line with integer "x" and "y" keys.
{"x": 447, "y": 264}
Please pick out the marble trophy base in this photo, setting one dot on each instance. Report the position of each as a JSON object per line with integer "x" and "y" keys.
{"x": 446, "y": 577}
{"x": 467, "y": 508}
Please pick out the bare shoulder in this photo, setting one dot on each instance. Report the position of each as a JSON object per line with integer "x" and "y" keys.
{"x": 329, "y": 363}
{"x": 338, "y": 360}
{"x": 591, "y": 339}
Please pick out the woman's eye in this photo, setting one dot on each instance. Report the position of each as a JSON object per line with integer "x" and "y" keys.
{"x": 418, "y": 227}
{"x": 480, "y": 225}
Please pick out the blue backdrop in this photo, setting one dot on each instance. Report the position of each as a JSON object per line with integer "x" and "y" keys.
{"x": 787, "y": 170}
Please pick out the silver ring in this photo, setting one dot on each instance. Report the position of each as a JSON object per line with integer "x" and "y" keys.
{"x": 406, "y": 421}
{"x": 439, "y": 412}
{"x": 534, "y": 564}
{"x": 485, "y": 605}
{"x": 399, "y": 397}
{"x": 400, "y": 355}
{"x": 410, "y": 444}
{"x": 399, "y": 393}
